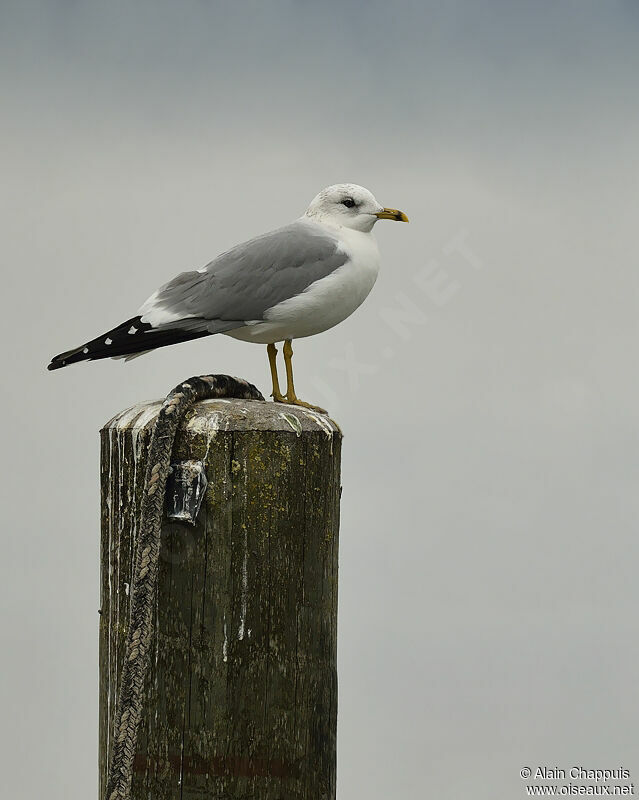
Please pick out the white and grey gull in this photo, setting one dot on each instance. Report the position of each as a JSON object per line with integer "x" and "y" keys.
{"x": 293, "y": 282}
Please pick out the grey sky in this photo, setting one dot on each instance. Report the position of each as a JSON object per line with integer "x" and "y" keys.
{"x": 488, "y": 548}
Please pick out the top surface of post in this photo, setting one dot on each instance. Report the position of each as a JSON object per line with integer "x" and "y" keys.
{"x": 221, "y": 414}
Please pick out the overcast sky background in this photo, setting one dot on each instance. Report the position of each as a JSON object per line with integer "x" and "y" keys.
{"x": 489, "y": 549}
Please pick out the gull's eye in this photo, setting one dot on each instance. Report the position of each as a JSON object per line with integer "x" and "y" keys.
{"x": 348, "y": 202}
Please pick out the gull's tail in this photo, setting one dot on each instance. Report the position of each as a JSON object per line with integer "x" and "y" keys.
{"x": 131, "y": 338}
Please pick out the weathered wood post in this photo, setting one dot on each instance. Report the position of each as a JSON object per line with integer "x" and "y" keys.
{"x": 242, "y": 689}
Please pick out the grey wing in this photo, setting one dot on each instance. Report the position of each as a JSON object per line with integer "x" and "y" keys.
{"x": 243, "y": 283}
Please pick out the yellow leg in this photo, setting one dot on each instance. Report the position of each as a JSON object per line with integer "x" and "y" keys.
{"x": 291, "y": 397}
{"x": 277, "y": 396}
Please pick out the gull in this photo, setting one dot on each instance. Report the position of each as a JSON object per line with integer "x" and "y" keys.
{"x": 293, "y": 282}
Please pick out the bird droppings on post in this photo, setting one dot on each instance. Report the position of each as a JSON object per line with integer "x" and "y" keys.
{"x": 225, "y": 644}
{"x": 323, "y": 422}
{"x": 244, "y": 588}
{"x": 294, "y": 422}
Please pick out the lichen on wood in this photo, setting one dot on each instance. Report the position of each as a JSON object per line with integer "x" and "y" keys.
{"x": 242, "y": 691}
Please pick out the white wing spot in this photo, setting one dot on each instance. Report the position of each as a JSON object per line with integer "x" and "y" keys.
{"x": 133, "y": 329}
{"x": 86, "y": 350}
{"x": 108, "y": 341}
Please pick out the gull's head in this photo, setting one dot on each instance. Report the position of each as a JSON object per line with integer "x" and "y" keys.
{"x": 350, "y": 206}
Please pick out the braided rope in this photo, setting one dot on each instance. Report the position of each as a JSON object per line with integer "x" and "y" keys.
{"x": 145, "y": 575}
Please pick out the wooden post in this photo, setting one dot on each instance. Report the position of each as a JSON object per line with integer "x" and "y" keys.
{"x": 242, "y": 688}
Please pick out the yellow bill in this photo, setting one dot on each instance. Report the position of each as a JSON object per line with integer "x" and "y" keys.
{"x": 392, "y": 213}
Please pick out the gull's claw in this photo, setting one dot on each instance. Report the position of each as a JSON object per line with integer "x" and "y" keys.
{"x": 295, "y": 401}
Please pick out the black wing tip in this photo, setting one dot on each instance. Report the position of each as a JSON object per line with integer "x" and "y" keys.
{"x": 71, "y": 357}
{"x": 132, "y": 337}
{"x": 100, "y": 347}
